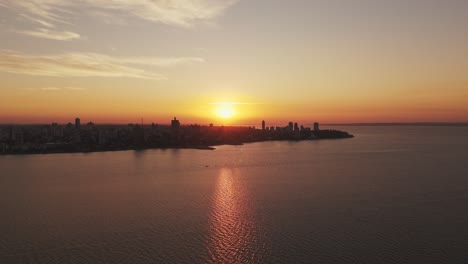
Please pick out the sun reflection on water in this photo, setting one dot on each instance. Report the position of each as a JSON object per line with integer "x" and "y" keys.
{"x": 233, "y": 230}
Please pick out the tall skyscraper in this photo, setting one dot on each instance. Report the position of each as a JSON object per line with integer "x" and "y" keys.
{"x": 316, "y": 126}
{"x": 175, "y": 123}
{"x": 263, "y": 125}
{"x": 77, "y": 123}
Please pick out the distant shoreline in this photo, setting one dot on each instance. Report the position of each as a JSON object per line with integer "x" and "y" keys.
{"x": 212, "y": 147}
{"x": 101, "y": 150}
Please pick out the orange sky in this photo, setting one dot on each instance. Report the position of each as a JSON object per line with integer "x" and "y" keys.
{"x": 327, "y": 61}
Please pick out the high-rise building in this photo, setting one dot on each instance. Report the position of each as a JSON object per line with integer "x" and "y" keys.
{"x": 102, "y": 137}
{"x": 290, "y": 125}
{"x": 296, "y": 126}
{"x": 76, "y": 137}
{"x": 263, "y": 125}
{"x": 175, "y": 123}
{"x": 77, "y": 123}
{"x": 316, "y": 126}
{"x": 138, "y": 134}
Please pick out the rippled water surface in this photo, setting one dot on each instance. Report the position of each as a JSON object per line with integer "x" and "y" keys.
{"x": 390, "y": 195}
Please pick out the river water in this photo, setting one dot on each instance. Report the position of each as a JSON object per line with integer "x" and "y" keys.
{"x": 389, "y": 195}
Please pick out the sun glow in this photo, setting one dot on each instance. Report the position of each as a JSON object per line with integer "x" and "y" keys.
{"x": 225, "y": 111}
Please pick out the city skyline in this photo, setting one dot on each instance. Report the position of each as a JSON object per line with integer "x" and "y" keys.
{"x": 233, "y": 62}
{"x": 92, "y": 137}
{"x": 77, "y": 122}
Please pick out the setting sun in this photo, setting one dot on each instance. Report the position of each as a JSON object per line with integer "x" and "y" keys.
{"x": 225, "y": 111}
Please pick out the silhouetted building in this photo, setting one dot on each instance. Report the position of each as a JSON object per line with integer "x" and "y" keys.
{"x": 138, "y": 135}
{"x": 56, "y": 130}
{"x": 16, "y": 135}
{"x": 296, "y": 127}
{"x": 102, "y": 137}
{"x": 316, "y": 126}
{"x": 290, "y": 126}
{"x": 175, "y": 123}
{"x": 77, "y": 123}
{"x": 263, "y": 125}
{"x": 76, "y": 137}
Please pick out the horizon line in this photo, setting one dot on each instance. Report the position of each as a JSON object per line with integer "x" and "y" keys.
{"x": 462, "y": 123}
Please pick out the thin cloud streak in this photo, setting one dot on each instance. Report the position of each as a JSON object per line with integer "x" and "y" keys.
{"x": 163, "y": 62}
{"x": 50, "y": 10}
{"x": 53, "y": 89}
{"x": 40, "y": 21}
{"x": 182, "y": 13}
{"x": 86, "y": 65}
{"x": 51, "y": 34}
{"x": 75, "y": 88}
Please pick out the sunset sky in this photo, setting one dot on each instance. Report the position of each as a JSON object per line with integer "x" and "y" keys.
{"x": 117, "y": 61}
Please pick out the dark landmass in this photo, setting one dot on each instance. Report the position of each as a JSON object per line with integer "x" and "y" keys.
{"x": 403, "y": 124}
{"x": 70, "y": 138}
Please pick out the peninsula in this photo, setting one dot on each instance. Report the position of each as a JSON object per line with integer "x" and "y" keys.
{"x": 56, "y": 138}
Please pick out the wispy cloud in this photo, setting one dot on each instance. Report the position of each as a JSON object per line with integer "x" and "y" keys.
{"x": 183, "y": 13}
{"x": 75, "y": 88}
{"x": 51, "y": 89}
{"x": 51, "y": 34}
{"x": 163, "y": 62}
{"x": 55, "y": 89}
{"x": 39, "y": 21}
{"x": 86, "y": 65}
{"x": 51, "y": 11}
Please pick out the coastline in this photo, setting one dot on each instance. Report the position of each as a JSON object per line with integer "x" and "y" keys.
{"x": 200, "y": 147}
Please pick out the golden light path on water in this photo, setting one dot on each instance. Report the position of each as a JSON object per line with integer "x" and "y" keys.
{"x": 234, "y": 236}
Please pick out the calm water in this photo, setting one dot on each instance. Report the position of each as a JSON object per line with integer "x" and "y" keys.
{"x": 390, "y": 195}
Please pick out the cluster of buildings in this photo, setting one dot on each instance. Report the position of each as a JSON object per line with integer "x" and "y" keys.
{"x": 291, "y": 127}
{"x": 78, "y": 137}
